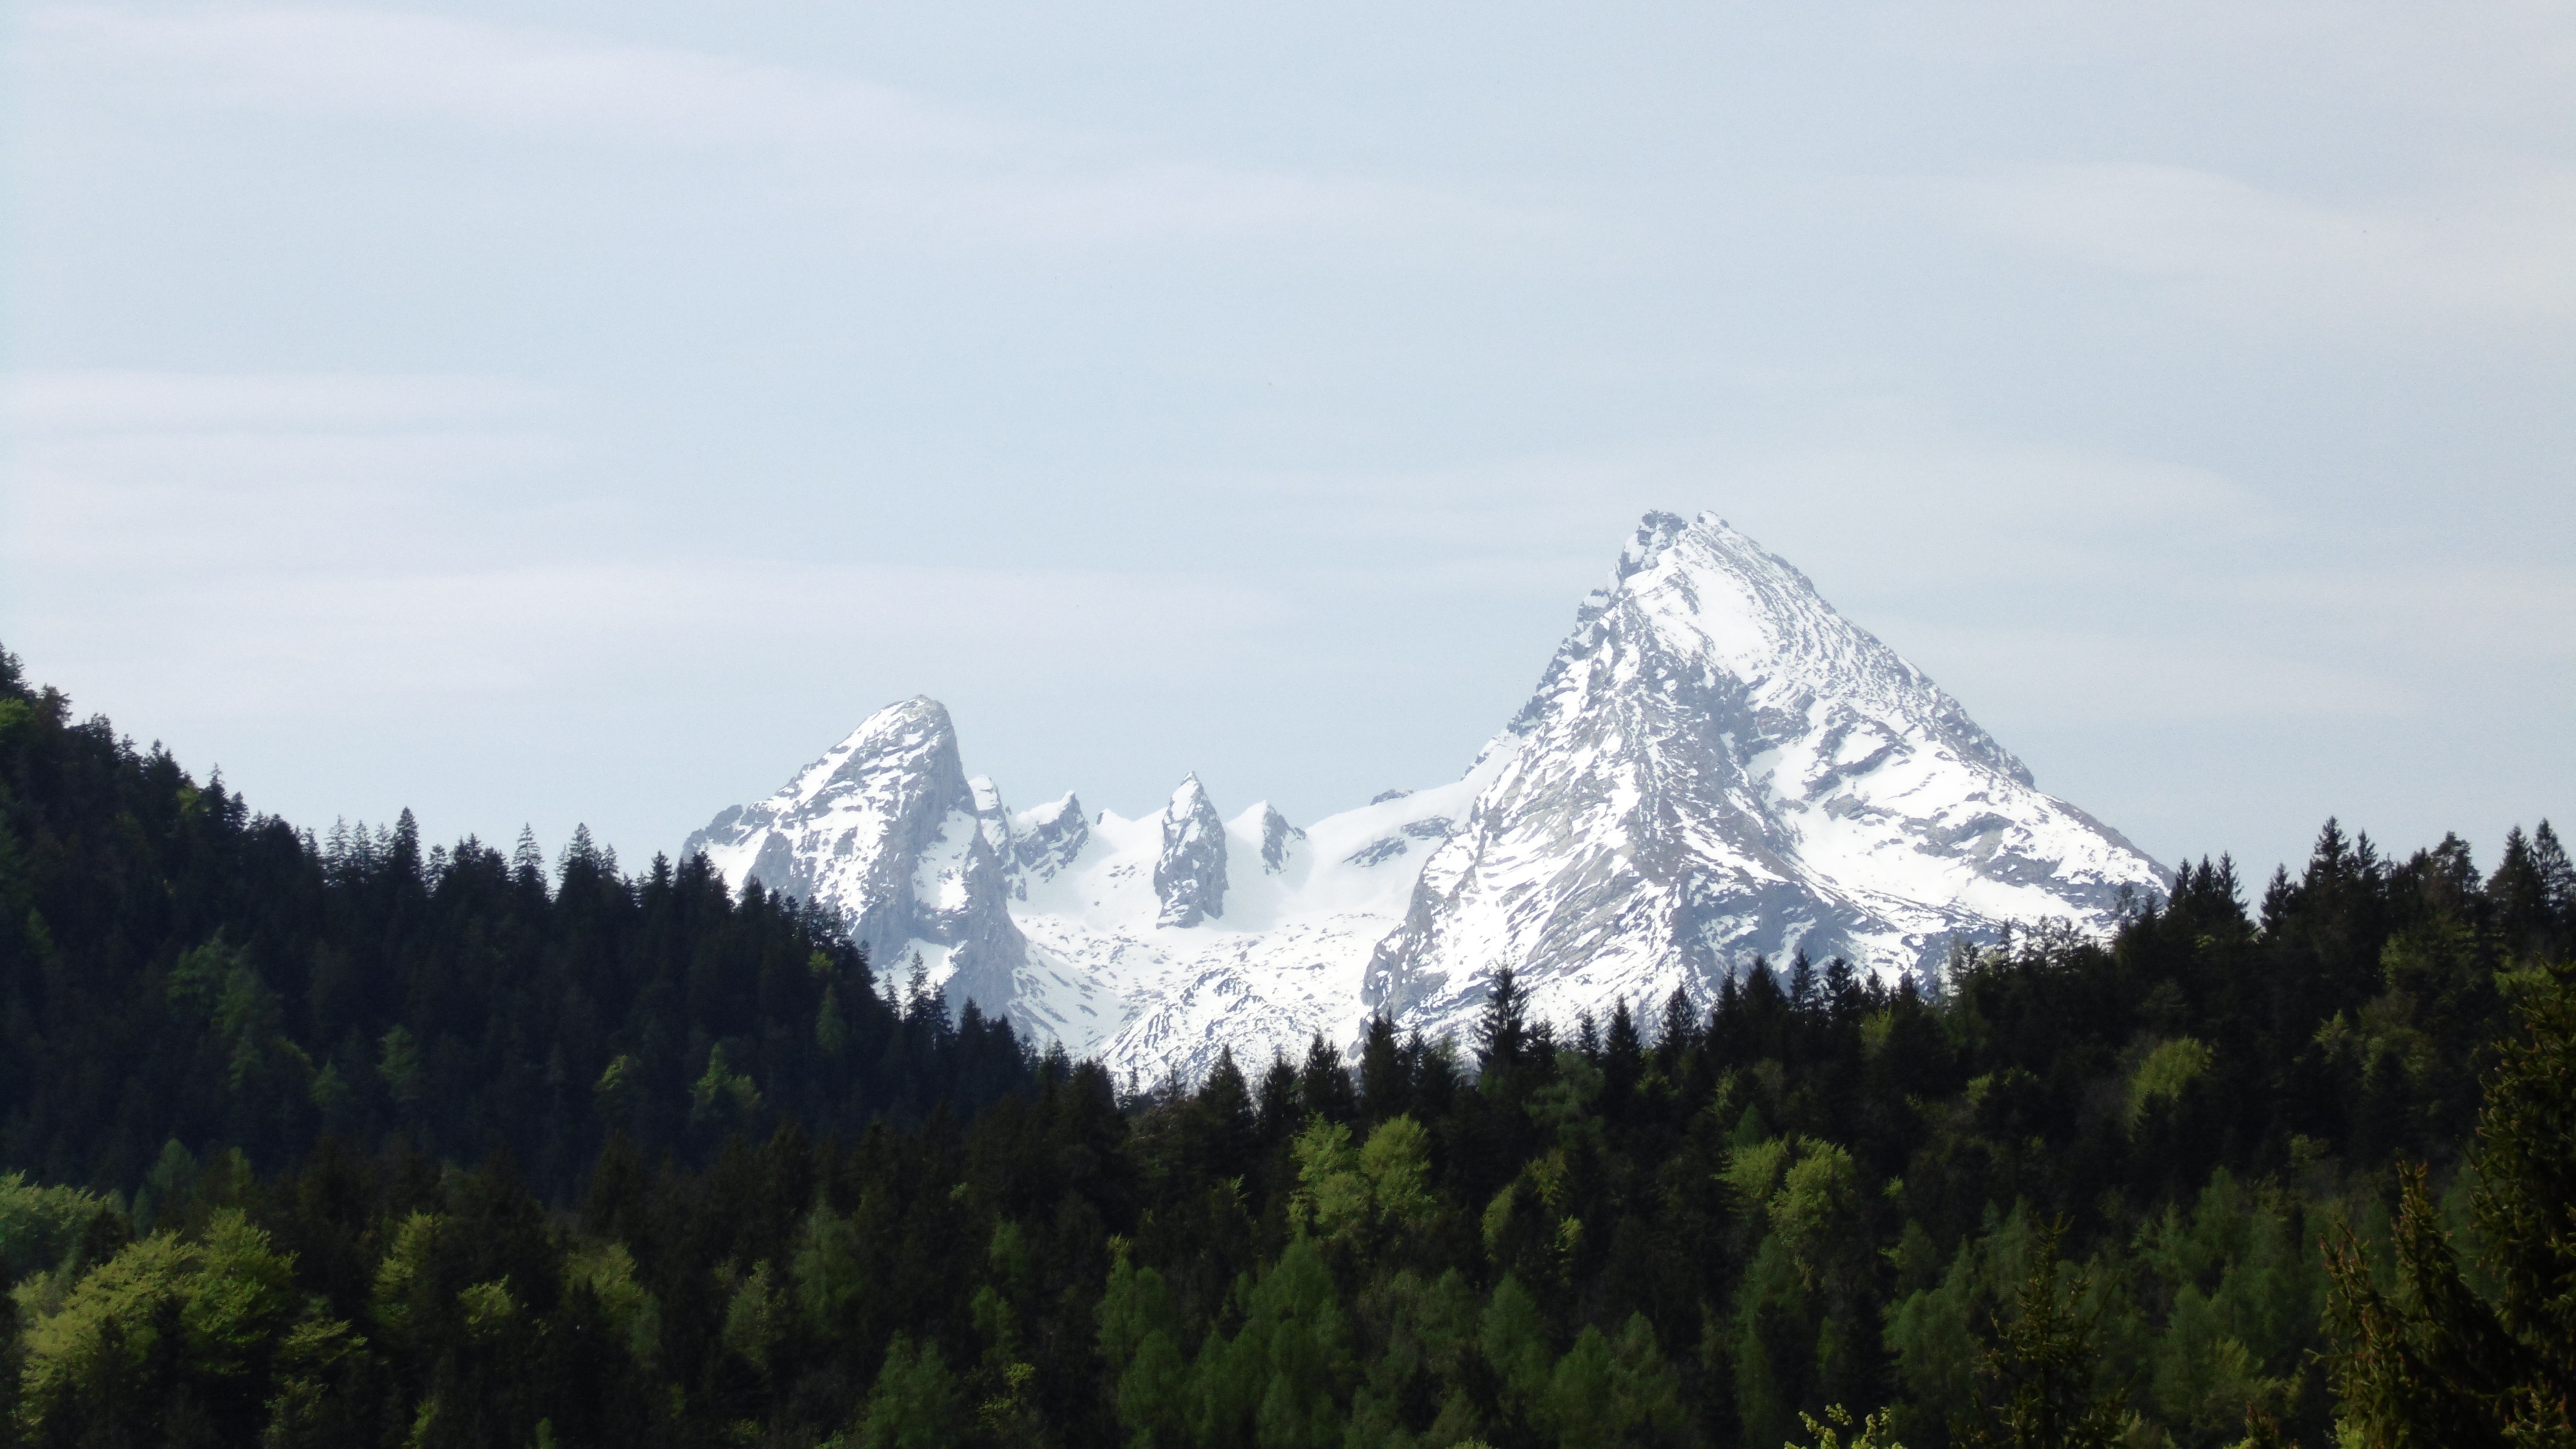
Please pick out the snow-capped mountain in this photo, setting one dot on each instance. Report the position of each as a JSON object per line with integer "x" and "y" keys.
{"x": 1716, "y": 764}
{"x": 887, "y": 829}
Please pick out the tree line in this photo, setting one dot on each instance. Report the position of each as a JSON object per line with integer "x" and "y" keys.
{"x": 341, "y": 1141}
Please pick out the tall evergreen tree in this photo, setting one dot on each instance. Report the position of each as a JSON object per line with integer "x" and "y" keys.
{"x": 1502, "y": 1027}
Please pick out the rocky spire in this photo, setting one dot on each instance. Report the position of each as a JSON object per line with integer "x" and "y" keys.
{"x": 1276, "y": 836}
{"x": 1189, "y": 876}
{"x": 887, "y": 830}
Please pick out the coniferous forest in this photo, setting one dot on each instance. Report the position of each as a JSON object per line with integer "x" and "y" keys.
{"x": 352, "y": 1141}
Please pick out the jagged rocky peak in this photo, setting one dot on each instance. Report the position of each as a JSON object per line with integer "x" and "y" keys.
{"x": 1276, "y": 836}
{"x": 886, "y": 830}
{"x": 1046, "y": 839}
{"x": 1696, "y": 606}
{"x": 890, "y": 782}
{"x": 1717, "y": 764}
{"x": 1714, "y": 764}
{"x": 1189, "y": 875}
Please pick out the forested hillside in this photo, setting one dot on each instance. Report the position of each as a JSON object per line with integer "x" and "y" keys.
{"x": 348, "y": 1142}
{"x": 175, "y": 968}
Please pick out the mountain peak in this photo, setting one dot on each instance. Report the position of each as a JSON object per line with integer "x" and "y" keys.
{"x": 1276, "y": 836}
{"x": 887, "y": 829}
{"x": 1655, "y": 533}
{"x": 1189, "y": 875}
{"x": 1699, "y": 601}
{"x": 1717, "y": 763}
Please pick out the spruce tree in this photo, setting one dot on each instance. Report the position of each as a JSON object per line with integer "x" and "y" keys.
{"x": 1502, "y": 1028}
{"x": 1623, "y": 1059}
{"x": 2037, "y": 1378}
{"x": 1324, "y": 1084}
{"x": 1680, "y": 1030}
{"x": 2436, "y": 1362}
{"x": 1386, "y": 1079}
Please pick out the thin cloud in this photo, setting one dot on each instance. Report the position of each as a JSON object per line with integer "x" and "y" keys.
{"x": 2491, "y": 251}
{"x": 279, "y": 542}
{"x": 133, "y": 475}
{"x": 2076, "y": 676}
{"x": 510, "y": 80}
{"x": 277, "y": 642}
{"x": 889, "y": 165}
{"x": 54, "y": 404}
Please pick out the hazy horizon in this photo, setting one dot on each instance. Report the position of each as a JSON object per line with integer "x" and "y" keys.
{"x": 577, "y": 412}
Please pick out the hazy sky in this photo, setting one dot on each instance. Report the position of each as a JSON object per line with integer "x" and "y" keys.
{"x": 567, "y": 412}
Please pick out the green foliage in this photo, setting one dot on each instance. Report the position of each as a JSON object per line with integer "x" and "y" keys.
{"x": 607, "y": 1272}
{"x": 1284, "y": 1378}
{"x": 730, "y": 1194}
{"x": 1829, "y": 1431}
{"x": 2436, "y": 1361}
{"x": 174, "y": 1336}
{"x": 915, "y": 1404}
{"x": 1347, "y": 1197}
{"x": 756, "y": 1317}
{"x": 2166, "y": 1072}
{"x": 2246, "y": 1293}
{"x": 178, "y": 968}
{"x": 1140, "y": 1335}
{"x": 53, "y": 1228}
{"x": 2038, "y": 1382}
{"x": 1608, "y": 1392}
{"x": 1933, "y": 1331}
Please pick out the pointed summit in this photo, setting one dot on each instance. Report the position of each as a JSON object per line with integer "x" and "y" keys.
{"x": 1189, "y": 876}
{"x": 1697, "y": 602}
{"x": 1717, "y": 764}
{"x": 1277, "y": 835}
{"x": 886, "y": 830}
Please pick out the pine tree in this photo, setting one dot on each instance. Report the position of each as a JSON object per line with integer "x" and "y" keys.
{"x": 1281, "y": 1109}
{"x": 1324, "y": 1083}
{"x": 2436, "y": 1362}
{"x": 916, "y": 988}
{"x": 2038, "y": 1375}
{"x": 1386, "y": 1086}
{"x": 1843, "y": 995}
{"x": 1623, "y": 1060}
{"x": 1726, "y": 1021}
{"x": 1680, "y": 1030}
{"x": 527, "y": 862}
{"x": 2557, "y": 890}
{"x": 1502, "y": 1028}
{"x": 1802, "y": 983}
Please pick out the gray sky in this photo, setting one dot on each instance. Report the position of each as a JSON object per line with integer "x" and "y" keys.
{"x": 587, "y": 412}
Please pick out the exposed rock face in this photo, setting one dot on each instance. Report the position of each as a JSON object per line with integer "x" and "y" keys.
{"x": 1716, "y": 764}
{"x": 1050, "y": 836}
{"x": 887, "y": 829}
{"x": 1276, "y": 836}
{"x": 1189, "y": 876}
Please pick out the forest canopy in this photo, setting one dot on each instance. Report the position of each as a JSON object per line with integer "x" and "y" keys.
{"x": 347, "y": 1140}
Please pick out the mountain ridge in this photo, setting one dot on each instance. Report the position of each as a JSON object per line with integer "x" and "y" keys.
{"x": 1715, "y": 765}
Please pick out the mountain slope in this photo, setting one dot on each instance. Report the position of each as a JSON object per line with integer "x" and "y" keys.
{"x": 887, "y": 829}
{"x": 1715, "y": 765}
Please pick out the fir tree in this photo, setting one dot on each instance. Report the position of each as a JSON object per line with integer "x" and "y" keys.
{"x": 2040, "y": 1366}
{"x": 1502, "y": 1028}
{"x": 2437, "y": 1362}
